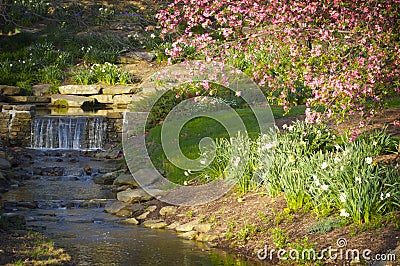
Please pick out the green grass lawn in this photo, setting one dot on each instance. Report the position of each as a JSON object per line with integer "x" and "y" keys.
{"x": 197, "y": 129}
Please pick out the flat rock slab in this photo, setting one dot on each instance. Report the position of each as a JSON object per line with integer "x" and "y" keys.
{"x": 154, "y": 224}
{"x": 103, "y": 98}
{"x": 138, "y": 195}
{"x": 203, "y": 227}
{"x": 119, "y": 89}
{"x": 122, "y": 99}
{"x": 143, "y": 215}
{"x": 28, "y": 99}
{"x": 131, "y": 221}
{"x": 41, "y": 89}
{"x": 114, "y": 207}
{"x": 133, "y": 57}
{"x": 10, "y": 90}
{"x": 168, "y": 210}
{"x": 107, "y": 178}
{"x": 18, "y": 107}
{"x": 206, "y": 237}
{"x": 190, "y": 235}
{"x": 172, "y": 226}
{"x": 126, "y": 179}
{"x": 80, "y": 89}
{"x": 133, "y": 195}
{"x": 71, "y": 100}
{"x": 187, "y": 226}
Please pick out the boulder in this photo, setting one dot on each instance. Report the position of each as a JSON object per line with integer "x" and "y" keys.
{"x": 151, "y": 208}
{"x": 134, "y": 57}
{"x": 172, "y": 226}
{"x": 151, "y": 223}
{"x": 206, "y": 237}
{"x": 131, "y": 221}
{"x": 114, "y": 207}
{"x": 41, "y": 89}
{"x": 126, "y": 179}
{"x": 133, "y": 195}
{"x": 134, "y": 208}
{"x": 124, "y": 213}
{"x": 203, "y": 227}
{"x": 190, "y": 235}
{"x": 187, "y": 226}
{"x": 148, "y": 56}
{"x": 168, "y": 210}
{"x": 160, "y": 225}
{"x": 143, "y": 216}
{"x": 146, "y": 177}
{"x": 138, "y": 195}
{"x": 119, "y": 89}
{"x": 122, "y": 99}
{"x": 4, "y": 164}
{"x": 10, "y": 90}
{"x": 102, "y": 98}
{"x": 80, "y": 89}
{"x": 72, "y": 100}
{"x": 108, "y": 178}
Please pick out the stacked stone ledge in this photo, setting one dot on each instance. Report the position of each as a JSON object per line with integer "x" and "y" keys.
{"x": 15, "y": 124}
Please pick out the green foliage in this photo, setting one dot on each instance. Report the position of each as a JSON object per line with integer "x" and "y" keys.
{"x": 53, "y": 89}
{"x": 50, "y": 74}
{"x": 326, "y": 225}
{"x": 246, "y": 232}
{"x": 279, "y": 236}
{"x": 22, "y": 13}
{"x": 26, "y": 87}
{"x": 306, "y": 251}
{"x": 307, "y": 165}
{"x": 158, "y": 111}
{"x": 104, "y": 73}
{"x": 100, "y": 52}
{"x": 229, "y": 231}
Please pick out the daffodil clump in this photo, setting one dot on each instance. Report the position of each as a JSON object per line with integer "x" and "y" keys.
{"x": 312, "y": 167}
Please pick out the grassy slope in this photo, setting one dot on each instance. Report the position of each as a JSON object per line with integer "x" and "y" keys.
{"x": 198, "y": 128}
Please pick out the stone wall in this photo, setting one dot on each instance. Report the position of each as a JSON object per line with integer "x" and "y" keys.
{"x": 15, "y": 124}
{"x": 114, "y": 128}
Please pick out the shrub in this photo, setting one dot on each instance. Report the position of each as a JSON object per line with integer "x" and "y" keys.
{"x": 104, "y": 73}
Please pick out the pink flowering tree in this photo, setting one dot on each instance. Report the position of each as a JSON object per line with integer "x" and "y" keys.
{"x": 341, "y": 55}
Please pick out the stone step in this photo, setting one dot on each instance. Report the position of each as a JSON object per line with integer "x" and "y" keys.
{"x": 28, "y": 99}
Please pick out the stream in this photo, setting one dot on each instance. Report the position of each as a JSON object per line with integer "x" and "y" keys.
{"x": 61, "y": 201}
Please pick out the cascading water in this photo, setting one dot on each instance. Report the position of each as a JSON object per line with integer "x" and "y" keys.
{"x": 53, "y": 132}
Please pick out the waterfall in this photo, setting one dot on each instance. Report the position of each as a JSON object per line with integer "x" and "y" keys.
{"x": 53, "y": 132}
